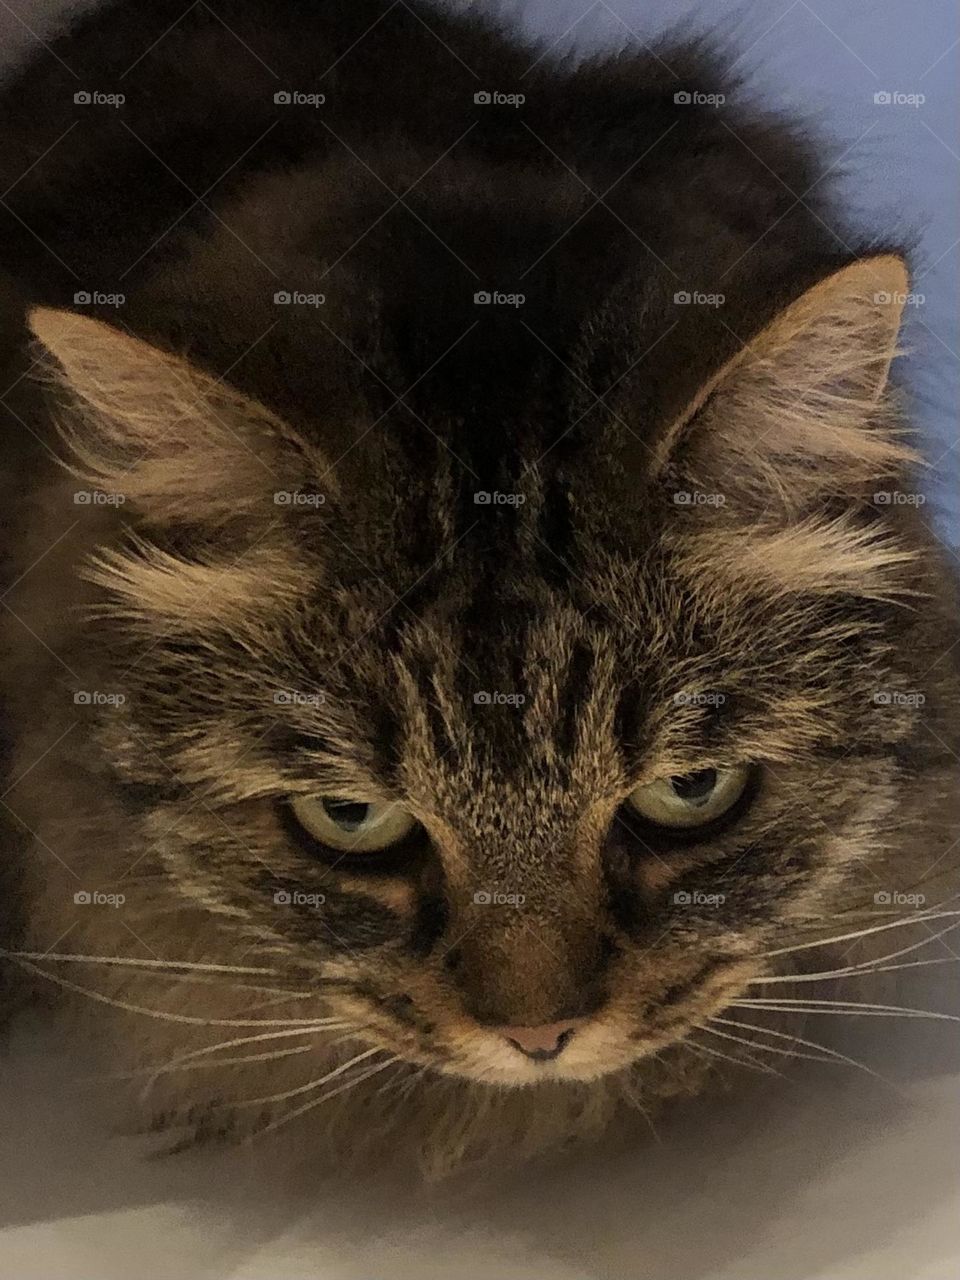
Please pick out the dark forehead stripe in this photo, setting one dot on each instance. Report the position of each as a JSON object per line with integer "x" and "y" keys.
{"x": 630, "y": 717}
{"x": 576, "y": 695}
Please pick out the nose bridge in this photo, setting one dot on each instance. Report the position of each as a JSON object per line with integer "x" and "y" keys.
{"x": 529, "y": 944}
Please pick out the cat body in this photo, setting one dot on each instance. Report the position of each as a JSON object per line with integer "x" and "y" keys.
{"x": 482, "y": 437}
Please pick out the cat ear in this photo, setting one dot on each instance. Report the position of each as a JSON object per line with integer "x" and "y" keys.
{"x": 800, "y": 411}
{"x": 178, "y": 444}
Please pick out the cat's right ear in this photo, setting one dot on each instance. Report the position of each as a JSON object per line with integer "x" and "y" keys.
{"x": 176, "y": 443}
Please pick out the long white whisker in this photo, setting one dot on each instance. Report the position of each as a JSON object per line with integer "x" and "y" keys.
{"x": 860, "y": 933}
{"x": 851, "y": 1007}
{"x": 311, "y": 1084}
{"x": 196, "y": 1066}
{"x": 132, "y": 962}
{"x": 833, "y": 1055}
{"x": 164, "y": 1016}
{"x": 737, "y": 1062}
{"x": 193, "y": 1054}
{"x": 332, "y": 1093}
{"x": 854, "y": 968}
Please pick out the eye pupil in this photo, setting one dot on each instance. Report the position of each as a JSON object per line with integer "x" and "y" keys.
{"x": 349, "y": 815}
{"x": 694, "y": 786}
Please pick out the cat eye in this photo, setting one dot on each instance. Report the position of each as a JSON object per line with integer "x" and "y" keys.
{"x": 353, "y": 826}
{"x": 688, "y": 800}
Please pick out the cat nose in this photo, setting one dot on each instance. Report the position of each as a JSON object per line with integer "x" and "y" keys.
{"x": 541, "y": 1043}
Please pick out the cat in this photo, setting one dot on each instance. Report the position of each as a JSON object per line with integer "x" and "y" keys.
{"x": 461, "y": 640}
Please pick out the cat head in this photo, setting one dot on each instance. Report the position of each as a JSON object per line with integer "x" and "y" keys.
{"x": 526, "y": 768}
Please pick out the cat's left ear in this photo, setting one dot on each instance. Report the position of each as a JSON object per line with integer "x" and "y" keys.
{"x": 801, "y": 410}
{"x": 177, "y": 443}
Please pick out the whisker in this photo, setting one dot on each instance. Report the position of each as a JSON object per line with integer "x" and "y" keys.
{"x": 854, "y": 1008}
{"x": 861, "y": 933}
{"x": 160, "y": 1014}
{"x": 402, "y": 1083}
{"x": 737, "y": 1062}
{"x": 133, "y": 962}
{"x": 833, "y": 1055}
{"x": 844, "y": 972}
{"x": 177, "y": 1062}
{"x": 332, "y": 1093}
{"x": 311, "y": 1084}
{"x": 194, "y": 1066}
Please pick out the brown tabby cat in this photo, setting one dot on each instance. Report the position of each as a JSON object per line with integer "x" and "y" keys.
{"x": 483, "y": 631}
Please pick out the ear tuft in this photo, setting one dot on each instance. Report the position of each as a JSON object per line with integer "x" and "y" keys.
{"x": 801, "y": 410}
{"x": 175, "y": 442}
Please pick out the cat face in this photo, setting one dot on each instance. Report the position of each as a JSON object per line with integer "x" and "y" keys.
{"x": 528, "y": 781}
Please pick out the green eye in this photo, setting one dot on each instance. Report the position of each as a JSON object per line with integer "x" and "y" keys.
{"x": 355, "y": 826}
{"x": 690, "y": 799}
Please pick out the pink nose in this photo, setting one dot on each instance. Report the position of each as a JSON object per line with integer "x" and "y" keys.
{"x": 544, "y": 1042}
